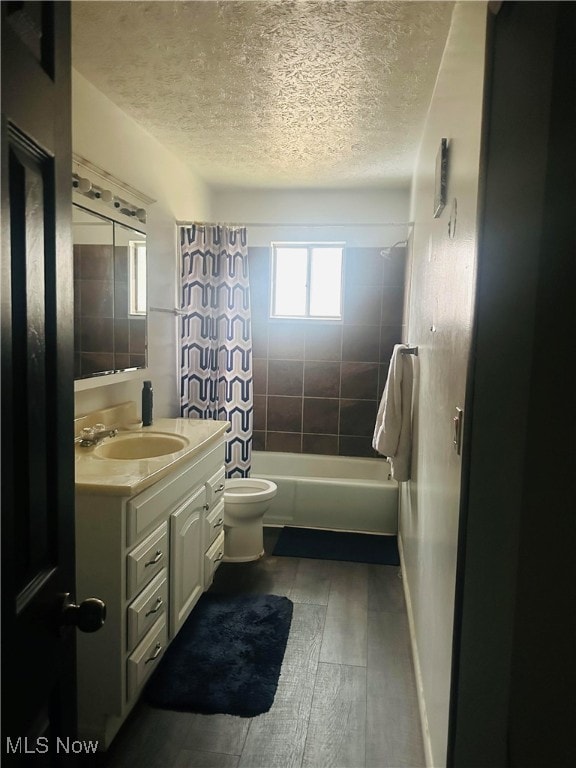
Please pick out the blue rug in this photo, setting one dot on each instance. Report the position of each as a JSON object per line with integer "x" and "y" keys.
{"x": 337, "y": 545}
{"x": 226, "y": 658}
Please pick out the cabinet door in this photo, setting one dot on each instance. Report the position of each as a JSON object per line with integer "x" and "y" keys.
{"x": 186, "y": 566}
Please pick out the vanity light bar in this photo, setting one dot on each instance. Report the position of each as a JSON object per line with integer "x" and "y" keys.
{"x": 85, "y": 187}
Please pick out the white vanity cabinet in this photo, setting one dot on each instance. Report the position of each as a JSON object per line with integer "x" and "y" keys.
{"x": 149, "y": 556}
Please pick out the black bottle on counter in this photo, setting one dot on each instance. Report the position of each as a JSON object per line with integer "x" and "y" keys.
{"x": 147, "y": 403}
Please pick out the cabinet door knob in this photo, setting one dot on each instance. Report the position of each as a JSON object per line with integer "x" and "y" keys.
{"x": 89, "y": 616}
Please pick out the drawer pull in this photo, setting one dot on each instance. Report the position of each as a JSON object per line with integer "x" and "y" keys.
{"x": 157, "y": 606}
{"x": 220, "y": 556}
{"x": 155, "y": 559}
{"x": 219, "y": 523}
{"x": 220, "y": 488}
{"x": 155, "y": 654}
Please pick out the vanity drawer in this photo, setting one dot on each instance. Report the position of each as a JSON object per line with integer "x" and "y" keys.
{"x": 145, "y": 658}
{"x": 215, "y": 487}
{"x": 146, "y": 560}
{"x": 213, "y": 524}
{"x": 213, "y": 558}
{"x": 148, "y": 607}
{"x": 145, "y": 508}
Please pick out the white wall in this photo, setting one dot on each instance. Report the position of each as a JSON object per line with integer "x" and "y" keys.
{"x": 357, "y": 207}
{"x": 107, "y": 137}
{"x": 442, "y": 285}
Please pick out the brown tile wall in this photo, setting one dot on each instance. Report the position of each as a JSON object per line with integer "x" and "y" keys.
{"x": 105, "y": 337}
{"x": 317, "y": 385}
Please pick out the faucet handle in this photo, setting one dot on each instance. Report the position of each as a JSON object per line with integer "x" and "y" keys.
{"x": 99, "y": 427}
{"x": 87, "y": 433}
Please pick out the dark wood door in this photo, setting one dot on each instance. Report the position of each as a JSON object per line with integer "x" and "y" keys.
{"x": 513, "y": 673}
{"x": 38, "y": 658}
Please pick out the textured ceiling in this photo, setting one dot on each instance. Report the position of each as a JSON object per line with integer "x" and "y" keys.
{"x": 310, "y": 93}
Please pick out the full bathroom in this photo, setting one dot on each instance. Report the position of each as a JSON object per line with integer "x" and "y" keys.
{"x": 318, "y": 381}
{"x": 317, "y": 385}
{"x": 284, "y": 400}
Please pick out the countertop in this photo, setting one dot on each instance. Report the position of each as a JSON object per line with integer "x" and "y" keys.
{"x": 126, "y": 477}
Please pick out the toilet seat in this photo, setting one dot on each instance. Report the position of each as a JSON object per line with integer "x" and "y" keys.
{"x": 244, "y": 490}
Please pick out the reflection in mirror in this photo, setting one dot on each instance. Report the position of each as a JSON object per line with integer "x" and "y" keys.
{"x": 109, "y": 295}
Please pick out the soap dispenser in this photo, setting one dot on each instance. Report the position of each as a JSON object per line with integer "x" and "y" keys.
{"x": 147, "y": 403}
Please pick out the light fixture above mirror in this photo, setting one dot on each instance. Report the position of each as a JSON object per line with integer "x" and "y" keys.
{"x": 98, "y": 190}
{"x": 83, "y": 186}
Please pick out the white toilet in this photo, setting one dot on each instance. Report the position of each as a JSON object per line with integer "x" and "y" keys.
{"x": 246, "y": 499}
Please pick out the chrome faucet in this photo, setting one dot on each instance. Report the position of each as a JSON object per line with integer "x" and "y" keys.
{"x": 91, "y": 436}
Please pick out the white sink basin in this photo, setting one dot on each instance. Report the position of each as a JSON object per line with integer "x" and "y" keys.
{"x": 144, "y": 445}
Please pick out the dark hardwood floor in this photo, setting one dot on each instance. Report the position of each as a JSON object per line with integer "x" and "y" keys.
{"x": 346, "y": 696}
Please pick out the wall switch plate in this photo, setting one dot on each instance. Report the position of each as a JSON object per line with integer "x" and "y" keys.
{"x": 457, "y": 433}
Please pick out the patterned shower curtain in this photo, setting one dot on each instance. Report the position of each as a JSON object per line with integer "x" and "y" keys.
{"x": 215, "y": 338}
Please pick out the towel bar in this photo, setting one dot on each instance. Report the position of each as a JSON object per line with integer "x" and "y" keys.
{"x": 168, "y": 310}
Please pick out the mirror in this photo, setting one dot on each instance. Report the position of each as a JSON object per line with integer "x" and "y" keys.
{"x": 109, "y": 295}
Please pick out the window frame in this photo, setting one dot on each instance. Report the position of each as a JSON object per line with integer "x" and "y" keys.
{"x": 134, "y": 278}
{"x": 309, "y": 245}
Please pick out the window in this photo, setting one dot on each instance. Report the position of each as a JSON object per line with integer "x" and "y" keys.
{"x": 307, "y": 280}
{"x": 137, "y": 267}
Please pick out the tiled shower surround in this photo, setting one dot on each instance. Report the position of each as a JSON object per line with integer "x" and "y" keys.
{"x": 317, "y": 384}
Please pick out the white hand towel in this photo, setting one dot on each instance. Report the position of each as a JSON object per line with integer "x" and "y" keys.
{"x": 393, "y": 430}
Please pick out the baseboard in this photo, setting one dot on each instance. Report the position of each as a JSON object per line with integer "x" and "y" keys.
{"x": 416, "y": 661}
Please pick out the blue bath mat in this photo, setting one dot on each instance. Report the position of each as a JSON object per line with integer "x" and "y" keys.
{"x": 226, "y": 658}
{"x": 337, "y": 545}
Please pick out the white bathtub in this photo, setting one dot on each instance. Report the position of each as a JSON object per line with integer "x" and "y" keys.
{"x": 336, "y": 492}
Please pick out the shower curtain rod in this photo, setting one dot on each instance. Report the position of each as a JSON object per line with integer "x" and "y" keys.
{"x": 298, "y": 224}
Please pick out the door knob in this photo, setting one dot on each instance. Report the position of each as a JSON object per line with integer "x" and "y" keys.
{"x": 89, "y": 616}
